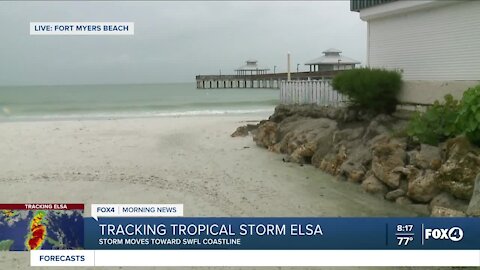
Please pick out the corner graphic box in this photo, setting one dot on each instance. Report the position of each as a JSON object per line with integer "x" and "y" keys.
{"x": 33, "y": 226}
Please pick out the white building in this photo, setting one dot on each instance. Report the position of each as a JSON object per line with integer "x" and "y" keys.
{"x": 331, "y": 60}
{"x": 435, "y": 43}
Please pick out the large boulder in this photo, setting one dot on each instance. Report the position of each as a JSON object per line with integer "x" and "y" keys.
{"x": 386, "y": 157}
{"x": 382, "y": 125}
{"x": 375, "y": 128}
{"x": 293, "y": 134}
{"x": 322, "y": 150}
{"x": 297, "y": 137}
{"x": 457, "y": 175}
{"x": 457, "y": 147}
{"x": 474, "y": 205}
{"x": 357, "y": 163}
{"x": 266, "y": 134}
{"x": 303, "y": 153}
{"x": 352, "y": 171}
{"x": 283, "y": 112}
{"x": 374, "y": 186}
{"x": 348, "y": 134}
{"x": 409, "y": 171}
{"x": 429, "y": 157}
{"x": 357, "y": 175}
{"x": 332, "y": 162}
{"x": 446, "y": 200}
{"x": 394, "y": 194}
{"x": 423, "y": 188}
{"x": 243, "y": 131}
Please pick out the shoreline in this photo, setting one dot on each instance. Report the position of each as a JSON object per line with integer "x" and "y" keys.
{"x": 190, "y": 160}
{"x": 264, "y": 113}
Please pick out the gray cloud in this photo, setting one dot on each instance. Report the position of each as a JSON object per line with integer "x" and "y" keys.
{"x": 173, "y": 41}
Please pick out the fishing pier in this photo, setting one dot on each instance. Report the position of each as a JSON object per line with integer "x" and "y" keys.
{"x": 264, "y": 80}
{"x": 251, "y": 75}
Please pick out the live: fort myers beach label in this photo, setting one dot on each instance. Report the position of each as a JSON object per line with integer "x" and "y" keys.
{"x": 82, "y": 28}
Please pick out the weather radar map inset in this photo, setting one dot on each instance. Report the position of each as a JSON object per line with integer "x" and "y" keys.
{"x": 34, "y": 226}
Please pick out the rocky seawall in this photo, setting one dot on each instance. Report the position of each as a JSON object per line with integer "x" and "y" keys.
{"x": 375, "y": 152}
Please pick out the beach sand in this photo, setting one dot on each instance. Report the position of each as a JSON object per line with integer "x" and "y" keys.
{"x": 189, "y": 160}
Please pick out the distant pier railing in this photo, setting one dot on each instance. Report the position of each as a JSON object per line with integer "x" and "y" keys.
{"x": 319, "y": 92}
{"x": 272, "y": 80}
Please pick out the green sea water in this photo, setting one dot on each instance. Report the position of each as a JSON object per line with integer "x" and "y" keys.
{"x": 110, "y": 101}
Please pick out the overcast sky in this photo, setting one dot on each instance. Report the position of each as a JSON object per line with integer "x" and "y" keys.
{"x": 173, "y": 41}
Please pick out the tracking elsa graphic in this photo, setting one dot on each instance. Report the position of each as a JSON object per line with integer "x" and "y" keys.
{"x": 37, "y": 231}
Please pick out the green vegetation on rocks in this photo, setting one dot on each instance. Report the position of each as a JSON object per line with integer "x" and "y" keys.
{"x": 446, "y": 120}
{"x": 437, "y": 123}
{"x": 468, "y": 120}
{"x": 370, "y": 89}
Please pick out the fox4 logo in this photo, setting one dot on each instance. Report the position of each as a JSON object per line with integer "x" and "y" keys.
{"x": 454, "y": 234}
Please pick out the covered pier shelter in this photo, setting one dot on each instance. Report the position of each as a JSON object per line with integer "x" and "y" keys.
{"x": 332, "y": 60}
{"x": 251, "y": 68}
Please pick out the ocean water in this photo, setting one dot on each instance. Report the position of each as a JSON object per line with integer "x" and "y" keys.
{"x": 123, "y": 101}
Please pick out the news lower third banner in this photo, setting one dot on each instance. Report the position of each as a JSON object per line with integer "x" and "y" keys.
{"x": 159, "y": 235}
{"x": 282, "y": 233}
{"x": 229, "y": 241}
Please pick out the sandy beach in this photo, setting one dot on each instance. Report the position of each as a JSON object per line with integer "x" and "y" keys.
{"x": 189, "y": 160}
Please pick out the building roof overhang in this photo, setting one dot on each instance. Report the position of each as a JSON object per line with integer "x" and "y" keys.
{"x": 399, "y": 7}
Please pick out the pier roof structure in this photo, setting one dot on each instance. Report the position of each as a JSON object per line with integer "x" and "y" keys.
{"x": 332, "y": 60}
{"x": 251, "y": 68}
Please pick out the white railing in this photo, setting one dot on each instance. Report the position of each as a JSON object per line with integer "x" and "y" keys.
{"x": 311, "y": 92}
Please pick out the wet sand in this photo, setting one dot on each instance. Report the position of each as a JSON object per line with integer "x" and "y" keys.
{"x": 189, "y": 160}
